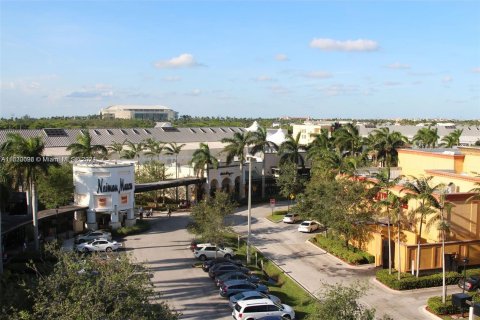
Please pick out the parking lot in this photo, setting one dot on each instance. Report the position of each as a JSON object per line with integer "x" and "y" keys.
{"x": 189, "y": 290}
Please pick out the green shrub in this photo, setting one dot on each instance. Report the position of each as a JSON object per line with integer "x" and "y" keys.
{"x": 338, "y": 249}
{"x": 408, "y": 281}
{"x": 436, "y": 306}
{"x": 139, "y": 227}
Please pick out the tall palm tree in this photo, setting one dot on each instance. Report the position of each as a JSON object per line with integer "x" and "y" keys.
{"x": 347, "y": 139}
{"x": 383, "y": 186}
{"x": 452, "y": 139}
{"x": 174, "y": 149}
{"x": 83, "y": 148}
{"x": 28, "y": 148}
{"x": 202, "y": 159}
{"x": 116, "y": 147}
{"x": 260, "y": 144}
{"x": 154, "y": 147}
{"x": 443, "y": 226}
{"x": 289, "y": 151}
{"x": 5, "y": 186}
{"x": 321, "y": 143}
{"x": 237, "y": 147}
{"x": 421, "y": 190}
{"x": 386, "y": 144}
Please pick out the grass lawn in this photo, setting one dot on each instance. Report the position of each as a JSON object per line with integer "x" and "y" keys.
{"x": 281, "y": 285}
{"x": 277, "y": 215}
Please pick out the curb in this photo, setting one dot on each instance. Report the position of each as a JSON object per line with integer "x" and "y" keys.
{"x": 424, "y": 310}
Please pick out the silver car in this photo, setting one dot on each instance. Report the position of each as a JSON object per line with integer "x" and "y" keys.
{"x": 92, "y": 235}
{"x": 98, "y": 245}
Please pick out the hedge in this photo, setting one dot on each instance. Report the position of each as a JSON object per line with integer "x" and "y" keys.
{"x": 338, "y": 249}
{"x": 436, "y": 306}
{"x": 408, "y": 281}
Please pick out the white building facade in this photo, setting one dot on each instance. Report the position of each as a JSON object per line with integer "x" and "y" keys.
{"x": 141, "y": 112}
{"x": 107, "y": 188}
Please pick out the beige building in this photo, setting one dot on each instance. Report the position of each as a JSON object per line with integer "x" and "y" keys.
{"x": 309, "y": 130}
{"x": 142, "y": 112}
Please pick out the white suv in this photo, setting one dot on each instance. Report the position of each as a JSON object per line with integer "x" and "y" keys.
{"x": 255, "y": 309}
{"x": 211, "y": 252}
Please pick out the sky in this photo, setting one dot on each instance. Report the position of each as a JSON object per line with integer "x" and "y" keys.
{"x": 320, "y": 59}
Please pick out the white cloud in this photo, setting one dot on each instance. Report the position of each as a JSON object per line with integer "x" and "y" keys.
{"x": 264, "y": 78}
{"x": 318, "y": 75}
{"x": 447, "y": 79}
{"x": 347, "y": 45}
{"x": 98, "y": 91}
{"x": 398, "y": 66}
{"x": 195, "y": 92}
{"x": 279, "y": 90}
{"x": 391, "y": 83}
{"x": 172, "y": 78}
{"x": 476, "y": 70}
{"x": 339, "y": 89}
{"x": 185, "y": 60}
{"x": 281, "y": 57}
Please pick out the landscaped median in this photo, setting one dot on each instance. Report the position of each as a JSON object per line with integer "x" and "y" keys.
{"x": 435, "y": 305}
{"x": 277, "y": 215}
{"x": 336, "y": 247}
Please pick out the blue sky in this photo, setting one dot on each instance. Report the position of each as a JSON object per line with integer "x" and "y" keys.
{"x": 323, "y": 59}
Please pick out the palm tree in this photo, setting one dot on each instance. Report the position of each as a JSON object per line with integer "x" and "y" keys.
{"x": 321, "y": 143}
{"x": 289, "y": 151}
{"x": 443, "y": 227}
{"x": 154, "y": 147}
{"x": 83, "y": 148}
{"x": 420, "y": 190}
{"x": 174, "y": 149}
{"x": 347, "y": 139}
{"x": 202, "y": 159}
{"x": 133, "y": 151}
{"x": 116, "y": 147}
{"x": 5, "y": 185}
{"x": 237, "y": 147}
{"x": 383, "y": 185}
{"x": 28, "y": 148}
{"x": 386, "y": 144}
{"x": 452, "y": 139}
{"x": 426, "y": 137}
{"x": 260, "y": 144}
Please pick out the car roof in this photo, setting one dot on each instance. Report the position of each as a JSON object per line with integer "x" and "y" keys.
{"x": 253, "y": 302}
{"x": 251, "y": 293}
{"x": 235, "y": 282}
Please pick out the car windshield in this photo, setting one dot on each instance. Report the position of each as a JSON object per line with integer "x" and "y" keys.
{"x": 288, "y": 215}
{"x": 238, "y": 296}
{"x": 305, "y": 223}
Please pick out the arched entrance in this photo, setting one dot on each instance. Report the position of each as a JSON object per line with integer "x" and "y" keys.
{"x": 213, "y": 187}
{"x": 226, "y": 185}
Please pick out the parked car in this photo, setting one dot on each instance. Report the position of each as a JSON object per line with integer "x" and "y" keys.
{"x": 92, "y": 235}
{"x": 194, "y": 244}
{"x": 308, "y": 226}
{"x": 472, "y": 283}
{"x": 98, "y": 245}
{"x": 235, "y": 275}
{"x": 251, "y": 295}
{"x": 256, "y": 309}
{"x": 211, "y": 252}
{"x": 207, "y": 264}
{"x": 291, "y": 218}
{"x": 223, "y": 268}
{"x": 232, "y": 287}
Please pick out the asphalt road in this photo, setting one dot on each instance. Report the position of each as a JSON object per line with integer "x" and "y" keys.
{"x": 189, "y": 290}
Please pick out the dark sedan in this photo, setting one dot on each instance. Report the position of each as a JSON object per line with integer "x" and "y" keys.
{"x": 207, "y": 264}
{"x": 225, "y": 268}
{"x": 235, "y": 275}
{"x": 232, "y": 287}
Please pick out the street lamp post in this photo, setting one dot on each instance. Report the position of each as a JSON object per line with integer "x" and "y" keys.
{"x": 465, "y": 262}
{"x": 249, "y": 158}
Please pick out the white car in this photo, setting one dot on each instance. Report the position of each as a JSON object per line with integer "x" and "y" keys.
{"x": 308, "y": 226}
{"x": 92, "y": 235}
{"x": 98, "y": 245}
{"x": 291, "y": 218}
{"x": 212, "y": 251}
{"x": 255, "y": 309}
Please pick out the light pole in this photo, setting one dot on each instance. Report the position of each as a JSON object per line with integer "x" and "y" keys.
{"x": 465, "y": 262}
{"x": 249, "y": 158}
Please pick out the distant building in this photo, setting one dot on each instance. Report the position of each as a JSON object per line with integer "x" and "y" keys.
{"x": 309, "y": 130}
{"x": 142, "y": 112}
